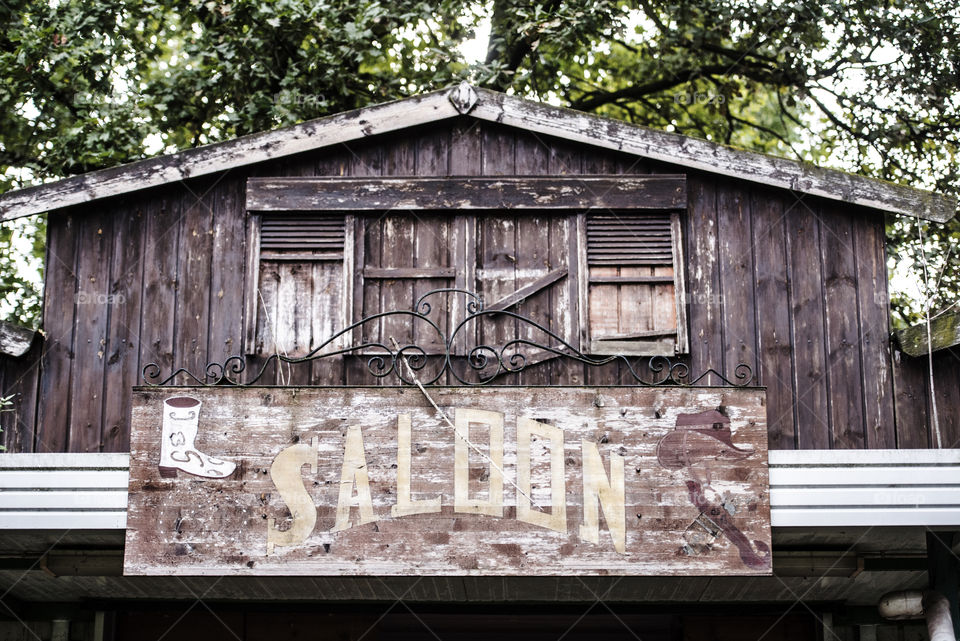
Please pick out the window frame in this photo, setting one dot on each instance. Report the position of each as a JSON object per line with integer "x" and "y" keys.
{"x": 570, "y": 196}
{"x": 252, "y": 307}
{"x": 680, "y": 344}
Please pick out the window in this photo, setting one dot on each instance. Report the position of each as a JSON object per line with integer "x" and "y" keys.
{"x": 609, "y": 282}
{"x": 399, "y": 258}
{"x": 632, "y": 284}
{"x": 296, "y": 297}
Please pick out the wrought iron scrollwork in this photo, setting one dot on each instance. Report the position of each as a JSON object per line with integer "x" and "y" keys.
{"x": 479, "y": 364}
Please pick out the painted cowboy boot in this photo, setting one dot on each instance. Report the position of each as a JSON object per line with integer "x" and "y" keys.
{"x": 181, "y": 417}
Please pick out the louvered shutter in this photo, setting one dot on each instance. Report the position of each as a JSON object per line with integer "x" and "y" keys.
{"x": 299, "y": 297}
{"x": 629, "y": 240}
{"x": 632, "y": 306}
{"x": 302, "y": 234}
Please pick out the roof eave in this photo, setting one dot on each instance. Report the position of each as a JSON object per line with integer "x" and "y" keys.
{"x": 494, "y": 107}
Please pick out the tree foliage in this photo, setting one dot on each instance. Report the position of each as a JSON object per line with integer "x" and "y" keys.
{"x": 872, "y": 87}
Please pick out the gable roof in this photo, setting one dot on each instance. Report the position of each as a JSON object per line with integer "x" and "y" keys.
{"x": 490, "y": 106}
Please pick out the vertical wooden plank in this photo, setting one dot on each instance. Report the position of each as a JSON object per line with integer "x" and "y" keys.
{"x": 533, "y": 260}
{"x": 433, "y": 153}
{"x": 227, "y": 282}
{"x": 706, "y": 327}
{"x": 158, "y": 311}
{"x": 433, "y": 245}
{"x": 680, "y": 291}
{"x": 734, "y": 238}
{"x": 874, "y": 308}
{"x": 636, "y": 302}
{"x": 841, "y": 307}
{"x": 803, "y": 259}
{"x": 397, "y": 247}
{"x": 466, "y": 146}
{"x": 564, "y": 317}
{"x": 123, "y": 335}
{"x": 267, "y": 313}
{"x": 20, "y": 380}
{"x": 946, "y": 383}
{"x": 331, "y": 371}
{"x": 772, "y": 312}
{"x": 498, "y": 155}
{"x": 95, "y": 236}
{"x": 366, "y": 254}
{"x": 295, "y": 303}
{"x": 251, "y": 301}
{"x": 294, "y": 319}
{"x": 591, "y": 163}
{"x": 496, "y": 275}
{"x": 193, "y": 275}
{"x": 59, "y": 305}
{"x": 466, "y": 156}
{"x": 327, "y": 301}
{"x": 664, "y": 302}
{"x": 911, "y": 397}
{"x": 604, "y": 314}
{"x": 566, "y": 159}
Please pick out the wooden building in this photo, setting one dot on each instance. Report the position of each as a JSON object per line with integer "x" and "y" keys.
{"x": 604, "y": 254}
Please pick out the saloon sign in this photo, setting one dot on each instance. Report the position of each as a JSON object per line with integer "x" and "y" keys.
{"x": 491, "y": 481}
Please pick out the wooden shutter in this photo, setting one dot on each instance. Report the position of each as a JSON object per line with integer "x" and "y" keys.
{"x": 300, "y": 282}
{"x": 522, "y": 266}
{"x": 302, "y": 235}
{"x": 629, "y": 240}
{"x": 402, "y": 256}
{"x": 632, "y": 303}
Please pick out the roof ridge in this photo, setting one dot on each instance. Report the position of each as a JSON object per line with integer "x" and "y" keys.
{"x": 491, "y": 106}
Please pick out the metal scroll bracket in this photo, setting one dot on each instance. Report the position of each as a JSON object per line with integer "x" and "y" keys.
{"x": 480, "y": 364}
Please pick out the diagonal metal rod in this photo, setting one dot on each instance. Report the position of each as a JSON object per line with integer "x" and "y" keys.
{"x": 423, "y": 390}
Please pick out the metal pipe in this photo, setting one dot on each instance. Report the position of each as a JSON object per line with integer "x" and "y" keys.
{"x": 936, "y": 607}
{"x": 914, "y": 604}
{"x": 906, "y": 604}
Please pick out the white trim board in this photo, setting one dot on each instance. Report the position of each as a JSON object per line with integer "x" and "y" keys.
{"x": 490, "y": 106}
{"x": 808, "y": 488}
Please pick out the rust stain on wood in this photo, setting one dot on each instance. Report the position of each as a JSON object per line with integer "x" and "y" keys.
{"x": 368, "y": 481}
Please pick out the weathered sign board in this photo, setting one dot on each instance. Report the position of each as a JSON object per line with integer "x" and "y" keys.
{"x": 500, "y": 481}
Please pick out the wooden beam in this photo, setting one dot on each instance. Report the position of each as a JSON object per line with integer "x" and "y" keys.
{"x": 503, "y": 192}
{"x": 630, "y": 280}
{"x": 711, "y": 157}
{"x": 409, "y": 272}
{"x": 525, "y": 292}
{"x": 944, "y": 333}
{"x": 15, "y": 340}
{"x": 246, "y": 150}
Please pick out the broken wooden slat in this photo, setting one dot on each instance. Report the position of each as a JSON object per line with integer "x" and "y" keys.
{"x": 502, "y": 192}
{"x": 528, "y": 290}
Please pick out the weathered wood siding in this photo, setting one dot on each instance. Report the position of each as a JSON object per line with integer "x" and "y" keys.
{"x": 793, "y": 285}
{"x": 19, "y": 378}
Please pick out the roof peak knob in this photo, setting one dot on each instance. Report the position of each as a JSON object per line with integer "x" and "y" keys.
{"x": 463, "y": 97}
